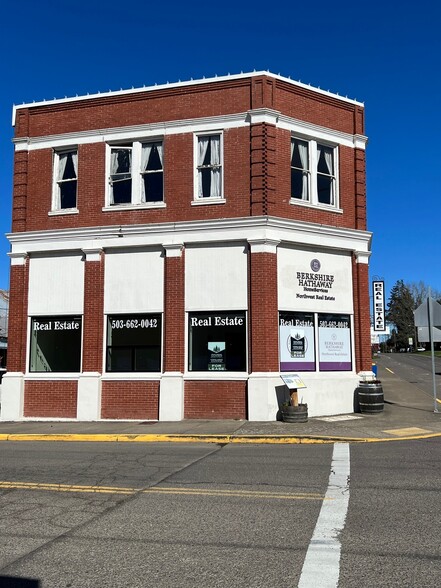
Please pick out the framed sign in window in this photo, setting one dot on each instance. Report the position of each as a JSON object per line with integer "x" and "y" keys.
{"x": 217, "y": 341}
{"x": 334, "y": 334}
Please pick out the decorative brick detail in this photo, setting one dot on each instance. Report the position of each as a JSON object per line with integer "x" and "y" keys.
{"x": 360, "y": 189}
{"x": 19, "y": 212}
{"x": 130, "y": 400}
{"x": 215, "y": 400}
{"x": 263, "y": 168}
{"x": 57, "y": 399}
{"x": 263, "y": 314}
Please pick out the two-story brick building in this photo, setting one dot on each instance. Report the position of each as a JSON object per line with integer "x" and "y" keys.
{"x": 176, "y": 248}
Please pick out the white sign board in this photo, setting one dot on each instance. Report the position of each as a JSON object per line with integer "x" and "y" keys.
{"x": 293, "y": 381}
{"x": 379, "y": 307}
{"x": 314, "y": 281}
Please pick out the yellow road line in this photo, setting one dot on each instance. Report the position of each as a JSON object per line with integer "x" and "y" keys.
{"x": 165, "y": 491}
{"x": 221, "y": 439}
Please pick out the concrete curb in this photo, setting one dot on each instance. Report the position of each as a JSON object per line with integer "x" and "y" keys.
{"x": 220, "y": 439}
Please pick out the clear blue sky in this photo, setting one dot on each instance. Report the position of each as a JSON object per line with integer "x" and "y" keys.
{"x": 385, "y": 54}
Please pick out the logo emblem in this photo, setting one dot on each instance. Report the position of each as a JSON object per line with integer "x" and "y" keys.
{"x": 315, "y": 265}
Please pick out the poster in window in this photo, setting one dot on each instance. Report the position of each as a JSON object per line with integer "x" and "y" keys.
{"x": 334, "y": 335}
{"x": 296, "y": 341}
{"x": 216, "y": 356}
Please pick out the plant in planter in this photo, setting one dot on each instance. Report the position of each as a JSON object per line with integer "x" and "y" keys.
{"x": 370, "y": 397}
{"x": 293, "y": 411}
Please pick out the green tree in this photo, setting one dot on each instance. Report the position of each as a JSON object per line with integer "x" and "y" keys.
{"x": 400, "y": 309}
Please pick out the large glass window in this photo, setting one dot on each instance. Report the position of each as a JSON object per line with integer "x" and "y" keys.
{"x": 209, "y": 166}
{"x": 65, "y": 191}
{"x": 133, "y": 343}
{"x": 217, "y": 341}
{"x": 152, "y": 173}
{"x": 55, "y": 344}
{"x": 136, "y": 174}
{"x": 313, "y": 173}
{"x": 121, "y": 175}
{"x": 297, "y": 341}
{"x": 299, "y": 169}
{"x": 334, "y": 334}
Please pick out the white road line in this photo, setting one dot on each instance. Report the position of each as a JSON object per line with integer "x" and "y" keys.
{"x": 321, "y": 568}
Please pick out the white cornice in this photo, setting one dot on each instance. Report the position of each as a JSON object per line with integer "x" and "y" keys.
{"x": 133, "y": 132}
{"x": 310, "y": 130}
{"x": 179, "y": 84}
{"x": 261, "y": 228}
{"x": 159, "y": 130}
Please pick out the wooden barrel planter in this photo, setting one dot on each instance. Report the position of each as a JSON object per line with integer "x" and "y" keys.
{"x": 295, "y": 414}
{"x": 370, "y": 397}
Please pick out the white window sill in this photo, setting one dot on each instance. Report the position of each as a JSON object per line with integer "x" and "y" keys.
{"x": 327, "y": 207}
{"x": 143, "y": 206}
{"x": 216, "y": 375}
{"x": 202, "y": 201}
{"x": 51, "y": 376}
{"x": 63, "y": 211}
{"x": 112, "y": 376}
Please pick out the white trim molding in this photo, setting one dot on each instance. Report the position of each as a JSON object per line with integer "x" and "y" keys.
{"x": 18, "y": 258}
{"x": 263, "y": 245}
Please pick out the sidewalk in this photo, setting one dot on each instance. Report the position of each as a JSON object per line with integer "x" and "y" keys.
{"x": 408, "y": 414}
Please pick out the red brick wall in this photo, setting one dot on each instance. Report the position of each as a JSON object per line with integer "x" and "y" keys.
{"x": 93, "y": 315}
{"x": 174, "y": 314}
{"x": 263, "y": 348}
{"x": 50, "y": 399}
{"x": 362, "y": 325}
{"x": 215, "y": 400}
{"x": 256, "y": 161}
{"x": 130, "y": 400}
{"x": 18, "y": 316}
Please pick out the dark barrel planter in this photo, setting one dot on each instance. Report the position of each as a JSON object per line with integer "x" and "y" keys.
{"x": 370, "y": 397}
{"x": 295, "y": 414}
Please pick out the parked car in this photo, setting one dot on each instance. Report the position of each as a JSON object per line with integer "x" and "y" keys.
{"x": 421, "y": 349}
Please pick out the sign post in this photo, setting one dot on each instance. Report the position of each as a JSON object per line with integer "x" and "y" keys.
{"x": 428, "y": 315}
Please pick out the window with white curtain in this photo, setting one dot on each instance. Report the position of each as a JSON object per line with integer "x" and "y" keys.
{"x": 209, "y": 166}
{"x": 136, "y": 174}
{"x": 66, "y": 176}
{"x": 313, "y": 173}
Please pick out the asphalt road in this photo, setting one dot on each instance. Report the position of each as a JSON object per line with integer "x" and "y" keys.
{"x": 78, "y": 515}
{"x": 415, "y": 368}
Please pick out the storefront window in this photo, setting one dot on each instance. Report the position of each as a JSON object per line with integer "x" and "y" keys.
{"x": 217, "y": 341}
{"x": 55, "y": 344}
{"x": 334, "y": 334}
{"x": 134, "y": 343}
{"x": 296, "y": 341}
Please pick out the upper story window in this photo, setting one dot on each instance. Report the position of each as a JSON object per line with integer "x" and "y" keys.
{"x": 65, "y": 184}
{"x": 313, "y": 173}
{"x": 136, "y": 174}
{"x": 208, "y": 184}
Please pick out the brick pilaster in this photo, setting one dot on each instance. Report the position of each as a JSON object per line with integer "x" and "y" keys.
{"x": 18, "y": 313}
{"x": 93, "y": 310}
{"x": 362, "y": 323}
{"x": 174, "y": 308}
{"x": 263, "y": 314}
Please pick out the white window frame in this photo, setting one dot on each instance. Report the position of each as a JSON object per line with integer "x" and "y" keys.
{"x": 56, "y": 193}
{"x": 137, "y": 175}
{"x": 197, "y": 199}
{"x": 313, "y": 175}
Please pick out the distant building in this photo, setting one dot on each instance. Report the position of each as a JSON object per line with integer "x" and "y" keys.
{"x": 176, "y": 248}
{"x": 4, "y": 311}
